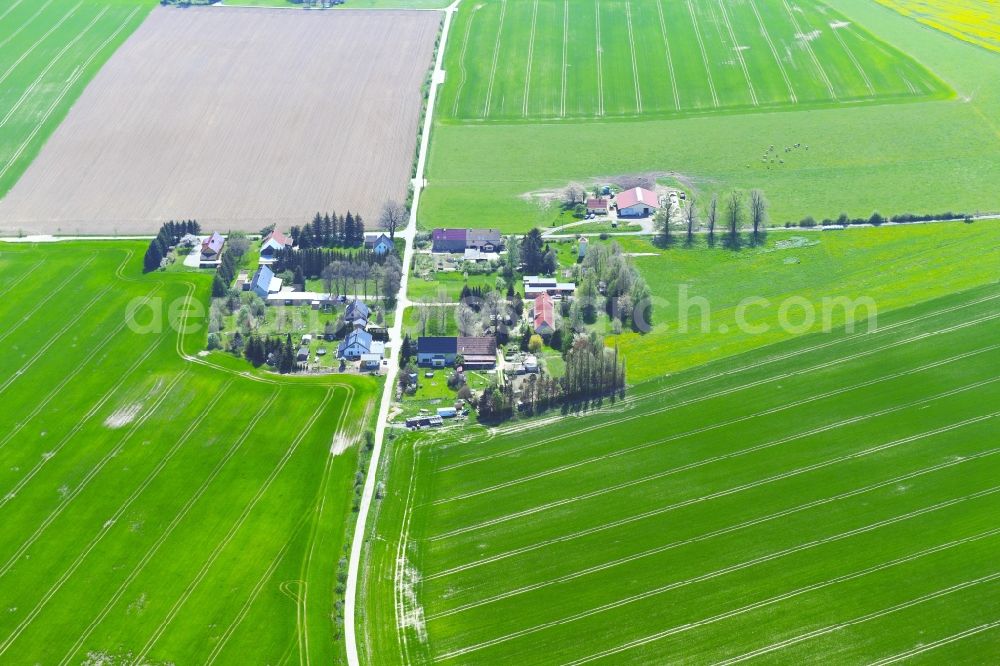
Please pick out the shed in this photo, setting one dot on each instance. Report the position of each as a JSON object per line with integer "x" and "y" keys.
{"x": 637, "y": 202}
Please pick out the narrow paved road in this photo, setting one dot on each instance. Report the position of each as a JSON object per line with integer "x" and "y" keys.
{"x": 395, "y": 333}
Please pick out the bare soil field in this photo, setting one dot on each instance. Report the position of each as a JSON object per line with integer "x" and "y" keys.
{"x": 238, "y": 118}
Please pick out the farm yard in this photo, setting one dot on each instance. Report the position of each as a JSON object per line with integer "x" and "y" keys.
{"x": 832, "y": 497}
{"x": 550, "y": 59}
{"x": 159, "y": 505}
{"x": 49, "y": 51}
{"x": 861, "y": 156}
{"x": 272, "y": 140}
{"x": 975, "y": 21}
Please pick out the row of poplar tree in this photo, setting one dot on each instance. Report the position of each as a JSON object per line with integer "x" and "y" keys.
{"x": 329, "y": 230}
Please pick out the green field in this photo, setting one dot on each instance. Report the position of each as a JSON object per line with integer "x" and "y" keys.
{"x": 832, "y": 498}
{"x": 925, "y": 156}
{"x": 548, "y": 59}
{"x": 49, "y": 51}
{"x": 157, "y": 503}
{"x": 894, "y": 266}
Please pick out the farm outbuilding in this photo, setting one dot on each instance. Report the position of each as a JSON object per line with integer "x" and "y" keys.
{"x": 598, "y": 206}
{"x": 637, "y": 202}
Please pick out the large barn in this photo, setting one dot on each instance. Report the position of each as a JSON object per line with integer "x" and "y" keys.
{"x": 637, "y": 202}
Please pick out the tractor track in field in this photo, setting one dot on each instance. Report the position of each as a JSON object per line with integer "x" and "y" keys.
{"x": 696, "y": 500}
{"x": 115, "y": 517}
{"x": 720, "y": 393}
{"x": 52, "y": 63}
{"x": 168, "y": 531}
{"x": 718, "y": 573}
{"x": 770, "y": 601}
{"x": 230, "y": 535}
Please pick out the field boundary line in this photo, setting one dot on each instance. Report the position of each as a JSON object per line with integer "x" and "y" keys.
{"x": 739, "y": 53}
{"x": 718, "y": 573}
{"x": 91, "y": 473}
{"x": 55, "y": 338}
{"x": 920, "y": 649}
{"x": 854, "y": 60}
{"x": 728, "y": 391}
{"x": 758, "y": 447}
{"x": 140, "y": 566}
{"x": 46, "y": 299}
{"x": 803, "y": 38}
{"x": 26, "y": 23}
{"x": 531, "y": 56}
{"x": 704, "y": 54}
{"x": 874, "y": 615}
{"x": 21, "y": 279}
{"x": 600, "y": 58}
{"x": 565, "y": 59}
{"x": 217, "y": 551}
{"x": 48, "y": 68}
{"x": 715, "y": 495}
{"x": 28, "y": 51}
{"x": 461, "y": 64}
{"x": 67, "y": 379}
{"x": 635, "y": 68}
{"x": 774, "y": 52}
{"x": 58, "y": 100}
{"x": 770, "y": 601}
{"x": 496, "y": 57}
{"x": 729, "y": 529}
{"x": 111, "y": 522}
{"x": 670, "y": 59}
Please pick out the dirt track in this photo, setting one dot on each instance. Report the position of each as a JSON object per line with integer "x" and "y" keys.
{"x": 238, "y": 118}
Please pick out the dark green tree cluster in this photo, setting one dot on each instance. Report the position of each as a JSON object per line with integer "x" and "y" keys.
{"x": 170, "y": 234}
{"x": 312, "y": 261}
{"x": 592, "y": 370}
{"x": 536, "y": 255}
{"x": 540, "y": 392}
{"x": 496, "y": 403}
{"x": 258, "y": 349}
{"x": 329, "y": 230}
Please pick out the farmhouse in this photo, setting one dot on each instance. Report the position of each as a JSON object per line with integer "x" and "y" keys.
{"x": 379, "y": 243}
{"x": 357, "y": 314}
{"x": 457, "y": 241}
{"x": 439, "y": 352}
{"x": 359, "y": 344}
{"x": 544, "y": 315}
{"x": 535, "y": 285}
{"x": 264, "y": 282}
{"x": 273, "y": 242}
{"x": 211, "y": 247}
{"x": 597, "y": 206}
{"x": 637, "y": 202}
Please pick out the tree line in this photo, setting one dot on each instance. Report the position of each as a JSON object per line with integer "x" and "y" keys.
{"x": 170, "y": 234}
{"x": 736, "y": 210}
{"x": 329, "y": 230}
{"x": 258, "y": 349}
{"x": 876, "y": 219}
{"x": 312, "y": 261}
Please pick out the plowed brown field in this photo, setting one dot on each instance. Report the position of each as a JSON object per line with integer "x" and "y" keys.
{"x": 238, "y": 118}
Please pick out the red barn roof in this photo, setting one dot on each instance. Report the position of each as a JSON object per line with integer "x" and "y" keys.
{"x": 544, "y": 314}
{"x": 637, "y": 195}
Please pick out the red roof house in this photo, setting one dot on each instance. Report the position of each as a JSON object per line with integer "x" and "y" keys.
{"x": 545, "y": 317}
